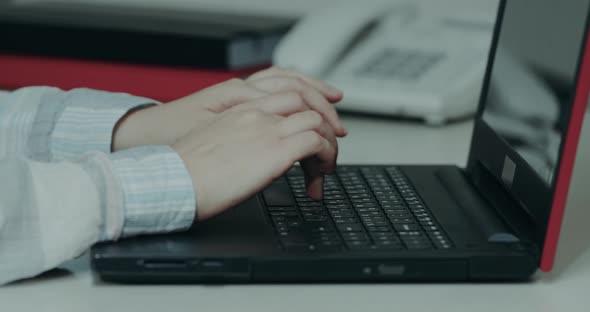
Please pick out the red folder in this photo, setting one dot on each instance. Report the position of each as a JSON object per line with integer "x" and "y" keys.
{"x": 156, "y": 82}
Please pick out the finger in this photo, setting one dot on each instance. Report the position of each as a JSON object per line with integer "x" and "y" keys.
{"x": 310, "y": 148}
{"x": 332, "y": 93}
{"x": 225, "y": 95}
{"x": 300, "y": 122}
{"x": 327, "y": 158}
{"x": 309, "y": 120}
{"x": 303, "y": 145}
{"x": 314, "y": 177}
{"x": 283, "y": 104}
{"x": 312, "y": 97}
{"x": 277, "y": 82}
{"x": 328, "y": 164}
{"x": 319, "y": 104}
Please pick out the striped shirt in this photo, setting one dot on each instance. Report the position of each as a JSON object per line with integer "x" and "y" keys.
{"x": 61, "y": 188}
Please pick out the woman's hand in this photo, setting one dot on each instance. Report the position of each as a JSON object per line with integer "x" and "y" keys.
{"x": 165, "y": 124}
{"x": 241, "y": 152}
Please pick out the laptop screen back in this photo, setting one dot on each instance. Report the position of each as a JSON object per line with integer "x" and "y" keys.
{"x": 528, "y": 106}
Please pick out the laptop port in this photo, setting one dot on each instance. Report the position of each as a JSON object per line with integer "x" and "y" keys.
{"x": 163, "y": 264}
{"x": 212, "y": 265}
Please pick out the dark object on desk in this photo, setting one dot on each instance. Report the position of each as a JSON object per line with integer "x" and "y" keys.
{"x": 166, "y": 37}
{"x": 497, "y": 219}
{"x": 162, "y": 83}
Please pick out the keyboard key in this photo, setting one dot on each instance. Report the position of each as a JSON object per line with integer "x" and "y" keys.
{"x": 347, "y": 235}
{"x": 389, "y": 244}
{"x": 350, "y": 227}
{"x": 358, "y": 244}
{"x": 281, "y": 208}
{"x": 338, "y": 206}
{"x": 306, "y": 200}
{"x": 383, "y": 236}
{"x": 327, "y": 247}
{"x": 341, "y": 215}
{"x": 349, "y": 238}
{"x": 281, "y": 228}
{"x": 403, "y": 234}
{"x": 284, "y": 214}
{"x": 442, "y": 245}
{"x": 359, "y": 206}
{"x": 379, "y": 229}
{"x": 294, "y": 223}
{"x": 316, "y": 218}
{"x": 321, "y": 228}
{"x": 310, "y": 205}
{"x": 312, "y": 210}
{"x": 401, "y": 220}
{"x": 414, "y": 246}
{"x": 334, "y": 201}
{"x": 339, "y": 221}
{"x": 400, "y": 215}
{"x": 406, "y": 227}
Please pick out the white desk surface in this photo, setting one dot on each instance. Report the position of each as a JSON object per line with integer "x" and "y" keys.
{"x": 370, "y": 141}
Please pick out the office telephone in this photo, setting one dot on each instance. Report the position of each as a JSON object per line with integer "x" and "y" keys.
{"x": 394, "y": 57}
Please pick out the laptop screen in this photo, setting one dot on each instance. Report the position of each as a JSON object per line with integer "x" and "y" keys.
{"x": 532, "y": 83}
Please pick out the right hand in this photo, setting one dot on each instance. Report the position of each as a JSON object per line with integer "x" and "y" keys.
{"x": 242, "y": 152}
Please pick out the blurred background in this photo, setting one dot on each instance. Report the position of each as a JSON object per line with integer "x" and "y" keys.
{"x": 297, "y": 9}
{"x": 416, "y": 59}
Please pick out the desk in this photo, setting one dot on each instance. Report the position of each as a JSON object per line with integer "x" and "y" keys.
{"x": 370, "y": 141}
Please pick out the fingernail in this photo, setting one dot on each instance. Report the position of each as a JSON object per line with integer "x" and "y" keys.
{"x": 343, "y": 129}
{"x": 335, "y": 91}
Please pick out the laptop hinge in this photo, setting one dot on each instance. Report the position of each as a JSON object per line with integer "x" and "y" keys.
{"x": 475, "y": 207}
{"x": 503, "y": 205}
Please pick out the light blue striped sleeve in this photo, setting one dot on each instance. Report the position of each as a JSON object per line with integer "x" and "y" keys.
{"x": 49, "y": 124}
{"x": 83, "y": 120}
{"x": 158, "y": 193}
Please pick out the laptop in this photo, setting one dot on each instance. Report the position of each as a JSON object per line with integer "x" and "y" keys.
{"x": 496, "y": 219}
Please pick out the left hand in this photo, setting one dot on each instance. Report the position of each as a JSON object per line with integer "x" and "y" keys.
{"x": 165, "y": 124}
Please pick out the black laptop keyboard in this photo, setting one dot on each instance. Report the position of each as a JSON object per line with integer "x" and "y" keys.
{"x": 369, "y": 208}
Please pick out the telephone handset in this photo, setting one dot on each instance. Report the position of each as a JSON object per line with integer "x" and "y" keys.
{"x": 393, "y": 58}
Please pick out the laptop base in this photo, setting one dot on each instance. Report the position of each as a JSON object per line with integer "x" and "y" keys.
{"x": 241, "y": 246}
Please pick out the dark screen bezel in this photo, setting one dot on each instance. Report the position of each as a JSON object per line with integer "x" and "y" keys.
{"x": 488, "y": 150}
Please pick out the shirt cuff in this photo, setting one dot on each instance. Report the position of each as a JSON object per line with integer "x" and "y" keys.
{"x": 87, "y": 120}
{"x": 157, "y": 189}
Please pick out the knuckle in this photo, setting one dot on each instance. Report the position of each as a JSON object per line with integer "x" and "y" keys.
{"x": 251, "y": 115}
{"x": 315, "y": 118}
{"x": 295, "y": 83}
{"x": 316, "y": 140}
{"x": 299, "y": 82}
{"x": 294, "y": 97}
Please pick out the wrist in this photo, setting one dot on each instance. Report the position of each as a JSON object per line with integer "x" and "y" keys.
{"x": 130, "y": 129}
